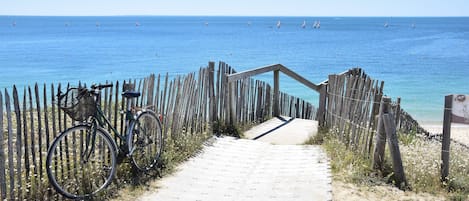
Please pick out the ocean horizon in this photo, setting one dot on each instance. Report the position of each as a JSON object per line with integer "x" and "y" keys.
{"x": 420, "y": 59}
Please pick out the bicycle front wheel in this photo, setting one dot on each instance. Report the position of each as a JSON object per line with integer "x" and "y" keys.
{"x": 145, "y": 140}
{"x": 79, "y": 163}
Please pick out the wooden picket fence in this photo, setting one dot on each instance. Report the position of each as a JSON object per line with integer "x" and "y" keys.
{"x": 364, "y": 119}
{"x": 353, "y": 103}
{"x": 353, "y": 100}
{"x": 188, "y": 105}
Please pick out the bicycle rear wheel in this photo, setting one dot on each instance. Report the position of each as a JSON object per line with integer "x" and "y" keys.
{"x": 145, "y": 141}
{"x": 78, "y": 168}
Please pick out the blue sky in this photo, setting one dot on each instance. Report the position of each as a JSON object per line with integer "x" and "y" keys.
{"x": 238, "y": 7}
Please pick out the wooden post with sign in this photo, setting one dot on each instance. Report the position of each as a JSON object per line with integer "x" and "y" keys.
{"x": 446, "y": 137}
{"x": 456, "y": 111}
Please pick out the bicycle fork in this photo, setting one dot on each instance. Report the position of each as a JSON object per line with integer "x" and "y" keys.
{"x": 89, "y": 139}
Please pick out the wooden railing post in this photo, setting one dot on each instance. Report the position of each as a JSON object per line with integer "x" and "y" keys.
{"x": 276, "y": 98}
{"x": 321, "y": 115}
{"x": 447, "y": 118}
{"x": 378, "y": 155}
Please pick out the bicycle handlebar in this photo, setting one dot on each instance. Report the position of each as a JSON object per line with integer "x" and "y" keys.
{"x": 101, "y": 86}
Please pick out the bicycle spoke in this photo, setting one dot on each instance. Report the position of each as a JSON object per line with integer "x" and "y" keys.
{"x": 90, "y": 170}
{"x": 145, "y": 141}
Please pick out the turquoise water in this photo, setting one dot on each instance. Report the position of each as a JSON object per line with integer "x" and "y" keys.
{"x": 420, "y": 63}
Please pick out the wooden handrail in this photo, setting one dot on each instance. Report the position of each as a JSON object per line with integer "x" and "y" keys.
{"x": 276, "y": 68}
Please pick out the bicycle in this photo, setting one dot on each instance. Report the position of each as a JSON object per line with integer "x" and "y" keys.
{"x": 81, "y": 161}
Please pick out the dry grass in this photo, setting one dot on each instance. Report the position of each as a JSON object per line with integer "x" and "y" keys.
{"x": 421, "y": 159}
{"x": 353, "y": 176}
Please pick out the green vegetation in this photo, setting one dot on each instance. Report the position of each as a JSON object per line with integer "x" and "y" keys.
{"x": 421, "y": 160}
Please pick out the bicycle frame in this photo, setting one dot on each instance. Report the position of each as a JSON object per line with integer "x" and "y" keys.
{"x": 99, "y": 119}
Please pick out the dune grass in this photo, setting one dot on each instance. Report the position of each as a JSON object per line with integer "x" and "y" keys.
{"x": 421, "y": 161}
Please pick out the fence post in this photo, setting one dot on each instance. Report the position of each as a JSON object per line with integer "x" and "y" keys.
{"x": 276, "y": 93}
{"x": 321, "y": 115}
{"x": 393, "y": 143}
{"x": 378, "y": 156}
{"x": 3, "y": 185}
{"x": 446, "y": 137}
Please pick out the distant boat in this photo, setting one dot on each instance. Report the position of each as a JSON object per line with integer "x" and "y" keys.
{"x": 249, "y": 23}
{"x": 279, "y": 24}
{"x": 413, "y": 25}
{"x": 304, "y": 24}
{"x": 206, "y": 23}
{"x": 137, "y": 24}
{"x": 317, "y": 24}
{"x": 386, "y": 25}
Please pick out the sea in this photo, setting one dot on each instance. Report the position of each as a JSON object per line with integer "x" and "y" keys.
{"x": 420, "y": 59}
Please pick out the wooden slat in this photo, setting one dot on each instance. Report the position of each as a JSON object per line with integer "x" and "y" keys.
{"x": 156, "y": 99}
{"x": 11, "y": 167}
{"x": 39, "y": 133}
{"x": 46, "y": 119}
{"x": 3, "y": 185}
{"x": 140, "y": 90}
{"x": 26, "y": 148}
{"x": 393, "y": 144}
{"x": 104, "y": 107}
{"x": 18, "y": 142}
{"x": 116, "y": 107}
{"x": 378, "y": 157}
{"x": 33, "y": 141}
{"x": 124, "y": 102}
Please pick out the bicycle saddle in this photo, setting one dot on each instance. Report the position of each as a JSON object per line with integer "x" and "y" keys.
{"x": 131, "y": 94}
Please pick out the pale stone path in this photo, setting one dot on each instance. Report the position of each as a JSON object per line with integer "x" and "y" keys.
{"x": 230, "y": 169}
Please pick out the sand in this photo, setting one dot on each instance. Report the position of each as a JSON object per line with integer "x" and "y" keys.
{"x": 459, "y": 132}
{"x": 383, "y": 192}
{"x": 347, "y": 191}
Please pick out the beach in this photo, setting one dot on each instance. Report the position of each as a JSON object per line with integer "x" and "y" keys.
{"x": 459, "y": 132}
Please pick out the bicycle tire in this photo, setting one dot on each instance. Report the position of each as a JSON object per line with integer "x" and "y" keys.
{"x": 76, "y": 173}
{"x": 145, "y": 141}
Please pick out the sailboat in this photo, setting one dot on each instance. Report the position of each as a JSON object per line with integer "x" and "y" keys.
{"x": 317, "y": 24}
{"x": 279, "y": 24}
{"x": 304, "y": 24}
